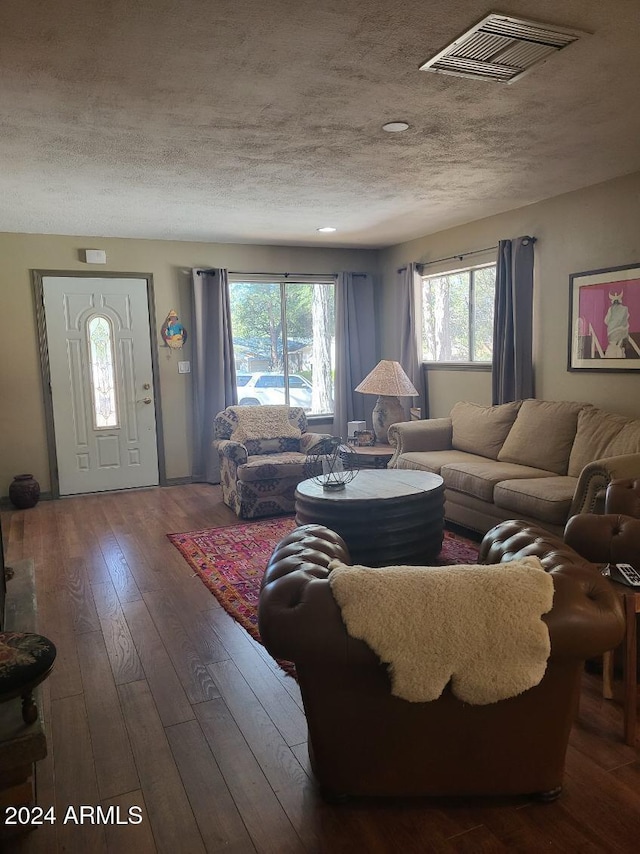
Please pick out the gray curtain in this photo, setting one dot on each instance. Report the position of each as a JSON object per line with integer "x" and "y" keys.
{"x": 214, "y": 371}
{"x": 355, "y": 349}
{"x": 512, "y": 372}
{"x": 409, "y": 306}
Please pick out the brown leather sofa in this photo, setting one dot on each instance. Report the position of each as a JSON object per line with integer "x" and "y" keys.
{"x": 364, "y": 741}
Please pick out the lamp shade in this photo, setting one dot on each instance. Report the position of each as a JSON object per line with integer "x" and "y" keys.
{"x": 388, "y": 378}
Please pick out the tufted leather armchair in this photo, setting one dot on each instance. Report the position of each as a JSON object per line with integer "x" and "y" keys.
{"x": 615, "y": 536}
{"x": 365, "y": 741}
{"x": 610, "y": 538}
{"x": 623, "y": 496}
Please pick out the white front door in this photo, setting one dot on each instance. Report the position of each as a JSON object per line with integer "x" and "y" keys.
{"x": 100, "y": 366}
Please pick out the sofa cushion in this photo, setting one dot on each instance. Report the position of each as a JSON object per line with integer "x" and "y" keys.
{"x": 542, "y": 435}
{"x": 269, "y": 466}
{"x": 602, "y": 434}
{"x": 272, "y": 446}
{"x": 434, "y": 460}
{"x": 548, "y": 499}
{"x": 482, "y": 429}
{"x": 479, "y": 479}
{"x": 627, "y": 441}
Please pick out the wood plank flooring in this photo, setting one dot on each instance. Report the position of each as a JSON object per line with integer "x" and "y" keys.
{"x": 160, "y": 701}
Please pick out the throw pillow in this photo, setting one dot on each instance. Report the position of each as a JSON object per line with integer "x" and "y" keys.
{"x": 482, "y": 429}
{"x": 602, "y": 434}
{"x": 542, "y": 435}
{"x": 263, "y": 422}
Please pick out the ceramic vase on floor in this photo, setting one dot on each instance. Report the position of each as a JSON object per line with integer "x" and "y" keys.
{"x": 24, "y": 491}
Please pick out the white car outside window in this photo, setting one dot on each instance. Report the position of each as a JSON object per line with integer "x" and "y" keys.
{"x": 266, "y": 388}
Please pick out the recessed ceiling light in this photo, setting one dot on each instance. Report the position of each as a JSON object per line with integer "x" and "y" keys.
{"x": 326, "y": 229}
{"x": 395, "y": 127}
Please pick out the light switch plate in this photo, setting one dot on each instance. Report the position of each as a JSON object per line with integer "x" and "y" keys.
{"x": 184, "y": 367}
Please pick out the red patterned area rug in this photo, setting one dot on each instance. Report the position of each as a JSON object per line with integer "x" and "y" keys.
{"x": 231, "y": 562}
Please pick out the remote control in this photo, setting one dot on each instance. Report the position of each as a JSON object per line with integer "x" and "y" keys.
{"x": 624, "y": 573}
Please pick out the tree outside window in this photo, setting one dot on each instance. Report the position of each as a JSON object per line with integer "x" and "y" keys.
{"x": 457, "y": 315}
{"x": 285, "y": 331}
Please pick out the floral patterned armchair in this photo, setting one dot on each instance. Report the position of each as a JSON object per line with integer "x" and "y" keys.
{"x": 262, "y": 453}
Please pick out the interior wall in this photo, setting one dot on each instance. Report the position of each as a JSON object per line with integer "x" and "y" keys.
{"x": 586, "y": 230}
{"x": 589, "y": 229}
{"x": 22, "y": 421}
{"x": 447, "y": 387}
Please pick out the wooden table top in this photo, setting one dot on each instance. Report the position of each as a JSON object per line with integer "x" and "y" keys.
{"x": 372, "y": 450}
{"x": 375, "y": 484}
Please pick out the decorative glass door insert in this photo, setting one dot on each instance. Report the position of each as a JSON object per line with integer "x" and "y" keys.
{"x": 103, "y": 375}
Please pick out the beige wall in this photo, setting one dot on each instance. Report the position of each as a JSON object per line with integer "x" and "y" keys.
{"x": 594, "y": 228}
{"x": 447, "y": 387}
{"x": 22, "y": 423}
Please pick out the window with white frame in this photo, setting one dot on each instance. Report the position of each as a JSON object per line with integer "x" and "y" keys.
{"x": 283, "y": 334}
{"x": 457, "y": 315}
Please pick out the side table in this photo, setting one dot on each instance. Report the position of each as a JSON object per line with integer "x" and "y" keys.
{"x": 372, "y": 457}
{"x": 631, "y": 603}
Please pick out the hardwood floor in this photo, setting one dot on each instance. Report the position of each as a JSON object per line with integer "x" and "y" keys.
{"x": 159, "y": 700}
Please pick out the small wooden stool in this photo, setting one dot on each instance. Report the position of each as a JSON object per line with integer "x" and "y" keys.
{"x": 26, "y": 660}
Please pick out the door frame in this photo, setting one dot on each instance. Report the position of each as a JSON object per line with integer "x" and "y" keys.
{"x": 37, "y": 277}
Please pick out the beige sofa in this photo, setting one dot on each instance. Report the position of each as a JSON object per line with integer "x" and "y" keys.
{"x": 538, "y": 460}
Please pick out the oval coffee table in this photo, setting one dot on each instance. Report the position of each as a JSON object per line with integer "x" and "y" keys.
{"x": 391, "y": 516}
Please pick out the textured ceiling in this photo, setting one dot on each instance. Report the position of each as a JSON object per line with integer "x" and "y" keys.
{"x": 245, "y": 121}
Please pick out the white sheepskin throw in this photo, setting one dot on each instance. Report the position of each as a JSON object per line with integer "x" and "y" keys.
{"x": 264, "y": 422}
{"x": 478, "y": 626}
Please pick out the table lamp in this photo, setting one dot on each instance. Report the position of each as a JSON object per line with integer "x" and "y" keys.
{"x": 390, "y": 383}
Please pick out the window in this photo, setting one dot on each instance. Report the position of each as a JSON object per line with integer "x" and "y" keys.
{"x": 270, "y": 381}
{"x": 297, "y": 382}
{"x": 283, "y": 342}
{"x": 105, "y": 414}
{"x": 457, "y": 315}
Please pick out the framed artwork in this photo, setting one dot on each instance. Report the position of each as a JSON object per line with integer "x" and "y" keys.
{"x": 366, "y": 438}
{"x": 604, "y": 319}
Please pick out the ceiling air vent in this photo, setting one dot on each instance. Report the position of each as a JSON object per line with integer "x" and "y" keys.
{"x": 500, "y": 48}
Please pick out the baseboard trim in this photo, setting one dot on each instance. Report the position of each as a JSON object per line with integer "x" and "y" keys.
{"x": 5, "y": 502}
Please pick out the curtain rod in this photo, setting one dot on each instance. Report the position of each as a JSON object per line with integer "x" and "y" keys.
{"x": 276, "y": 275}
{"x": 460, "y": 256}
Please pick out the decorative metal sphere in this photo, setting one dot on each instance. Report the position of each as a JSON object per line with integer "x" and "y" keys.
{"x": 331, "y": 464}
